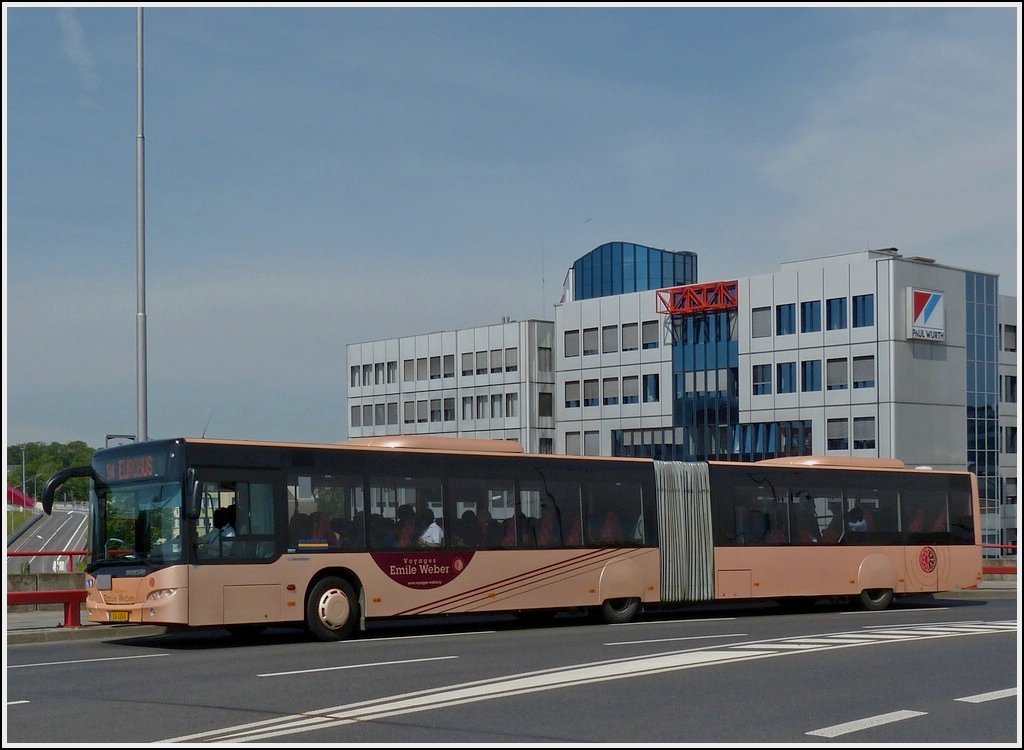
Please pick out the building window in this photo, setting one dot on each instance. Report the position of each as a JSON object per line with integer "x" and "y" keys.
{"x": 1010, "y": 440}
{"x": 435, "y": 368}
{"x": 810, "y": 316}
{"x": 467, "y": 363}
{"x": 511, "y": 359}
{"x": 481, "y": 407}
{"x": 422, "y": 371}
{"x": 1009, "y": 338}
{"x": 1010, "y": 389}
{"x": 408, "y": 370}
{"x": 449, "y": 365}
{"x": 545, "y": 404}
{"x": 649, "y": 334}
{"x": 511, "y": 404}
{"x": 810, "y": 375}
{"x": 761, "y": 322}
{"x": 609, "y": 339}
{"x": 837, "y": 432}
{"x": 378, "y": 414}
{"x": 409, "y": 412}
{"x": 356, "y": 416}
{"x": 378, "y": 373}
{"x": 785, "y": 319}
{"x": 572, "y": 343}
{"x": 631, "y": 390}
{"x": 354, "y": 376}
{"x": 435, "y": 410}
{"x": 864, "y": 372}
{"x": 422, "y": 411}
{"x": 572, "y": 444}
{"x": 572, "y": 394}
{"x": 589, "y": 341}
{"x": 863, "y": 433}
{"x": 467, "y": 408}
{"x": 761, "y": 375}
{"x": 835, "y": 313}
{"x": 496, "y": 404}
{"x": 546, "y": 445}
{"x": 610, "y": 388}
{"x": 590, "y": 397}
{"x": 630, "y": 340}
{"x": 836, "y": 375}
{"x": 392, "y": 372}
{"x": 785, "y": 381}
{"x": 545, "y": 362}
{"x": 481, "y": 363}
{"x": 651, "y": 388}
{"x": 591, "y": 443}
{"x": 496, "y": 364}
{"x": 863, "y": 310}
{"x": 368, "y": 415}
{"x": 392, "y": 412}
{"x": 367, "y": 374}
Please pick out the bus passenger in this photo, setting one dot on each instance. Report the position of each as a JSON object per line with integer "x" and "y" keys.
{"x": 856, "y": 520}
{"x": 469, "y": 533}
{"x": 405, "y": 530}
{"x": 299, "y": 527}
{"x": 432, "y": 534}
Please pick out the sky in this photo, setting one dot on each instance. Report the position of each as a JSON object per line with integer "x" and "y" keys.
{"x": 322, "y": 175}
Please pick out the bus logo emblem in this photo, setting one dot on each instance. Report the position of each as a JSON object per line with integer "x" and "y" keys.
{"x": 928, "y": 560}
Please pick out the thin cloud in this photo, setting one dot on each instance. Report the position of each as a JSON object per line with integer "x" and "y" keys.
{"x": 75, "y": 49}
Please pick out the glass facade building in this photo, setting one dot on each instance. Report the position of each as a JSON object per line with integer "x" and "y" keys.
{"x": 623, "y": 267}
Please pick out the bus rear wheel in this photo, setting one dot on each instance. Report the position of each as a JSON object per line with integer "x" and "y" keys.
{"x": 875, "y": 600}
{"x": 332, "y": 609}
{"x": 619, "y": 611}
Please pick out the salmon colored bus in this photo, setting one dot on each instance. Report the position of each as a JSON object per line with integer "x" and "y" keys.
{"x": 331, "y": 536}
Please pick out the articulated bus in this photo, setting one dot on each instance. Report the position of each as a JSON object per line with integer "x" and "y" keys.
{"x": 328, "y": 536}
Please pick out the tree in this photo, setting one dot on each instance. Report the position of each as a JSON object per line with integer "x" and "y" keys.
{"x": 37, "y": 462}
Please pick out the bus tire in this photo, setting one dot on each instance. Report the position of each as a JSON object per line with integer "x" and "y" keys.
{"x": 332, "y": 609}
{"x": 619, "y": 611}
{"x": 875, "y": 600}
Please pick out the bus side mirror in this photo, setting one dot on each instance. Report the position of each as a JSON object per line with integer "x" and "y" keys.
{"x": 195, "y": 496}
{"x": 60, "y": 478}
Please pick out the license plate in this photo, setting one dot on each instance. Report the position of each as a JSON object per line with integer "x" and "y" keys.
{"x": 119, "y": 617}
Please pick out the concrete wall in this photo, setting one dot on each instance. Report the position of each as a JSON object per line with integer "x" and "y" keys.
{"x": 43, "y": 582}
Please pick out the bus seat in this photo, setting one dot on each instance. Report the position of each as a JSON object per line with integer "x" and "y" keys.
{"x": 575, "y": 537}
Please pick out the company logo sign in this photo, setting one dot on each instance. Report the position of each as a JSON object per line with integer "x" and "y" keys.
{"x": 926, "y": 315}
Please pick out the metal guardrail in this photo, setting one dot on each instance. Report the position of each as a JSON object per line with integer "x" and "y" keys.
{"x": 72, "y": 599}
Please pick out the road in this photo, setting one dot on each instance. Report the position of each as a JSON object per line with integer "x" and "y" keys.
{"x": 934, "y": 671}
{"x": 64, "y": 529}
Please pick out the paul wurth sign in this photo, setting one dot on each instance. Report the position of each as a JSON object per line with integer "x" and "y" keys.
{"x": 926, "y": 315}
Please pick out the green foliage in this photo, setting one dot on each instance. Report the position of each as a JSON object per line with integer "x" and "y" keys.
{"x": 42, "y": 461}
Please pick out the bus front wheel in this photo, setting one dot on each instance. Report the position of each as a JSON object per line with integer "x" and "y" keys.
{"x": 619, "y": 611}
{"x": 332, "y": 610}
{"x": 875, "y": 600}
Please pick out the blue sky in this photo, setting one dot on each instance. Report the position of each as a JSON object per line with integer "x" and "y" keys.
{"x": 325, "y": 175}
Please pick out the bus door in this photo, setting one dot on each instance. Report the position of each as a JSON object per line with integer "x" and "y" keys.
{"x": 235, "y": 522}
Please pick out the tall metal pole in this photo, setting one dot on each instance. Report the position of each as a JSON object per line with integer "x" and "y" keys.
{"x": 140, "y": 243}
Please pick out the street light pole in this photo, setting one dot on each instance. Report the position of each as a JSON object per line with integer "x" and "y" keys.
{"x": 140, "y": 241}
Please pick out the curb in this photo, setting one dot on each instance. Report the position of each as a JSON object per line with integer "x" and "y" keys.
{"x": 84, "y": 633}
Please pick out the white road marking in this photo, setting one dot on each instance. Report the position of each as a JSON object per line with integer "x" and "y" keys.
{"x": 80, "y": 661}
{"x": 872, "y": 721}
{"x": 551, "y": 679}
{"x": 993, "y": 696}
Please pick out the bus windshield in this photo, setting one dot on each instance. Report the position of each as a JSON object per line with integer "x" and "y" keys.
{"x": 137, "y": 523}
